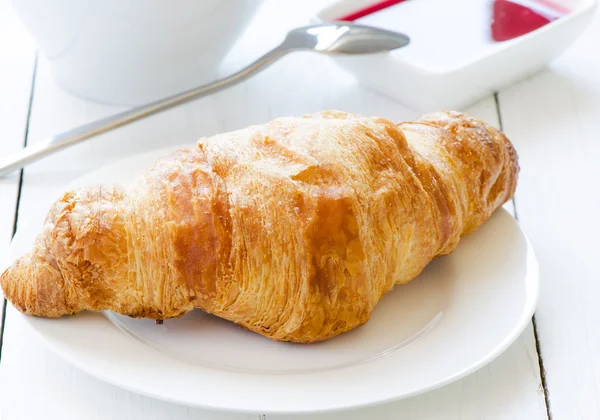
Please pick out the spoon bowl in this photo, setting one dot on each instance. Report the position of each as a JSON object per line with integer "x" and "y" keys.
{"x": 341, "y": 38}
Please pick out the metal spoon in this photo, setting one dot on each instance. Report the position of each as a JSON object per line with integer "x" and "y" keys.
{"x": 337, "y": 38}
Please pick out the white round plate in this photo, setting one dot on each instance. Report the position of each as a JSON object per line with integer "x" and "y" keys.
{"x": 459, "y": 314}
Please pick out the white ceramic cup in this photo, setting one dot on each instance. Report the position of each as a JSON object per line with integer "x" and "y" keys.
{"x": 130, "y": 52}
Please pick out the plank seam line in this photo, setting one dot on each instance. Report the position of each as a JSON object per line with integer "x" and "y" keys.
{"x": 542, "y": 369}
{"x": 19, "y": 189}
{"x": 538, "y": 348}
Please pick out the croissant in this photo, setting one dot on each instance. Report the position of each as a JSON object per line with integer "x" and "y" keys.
{"x": 293, "y": 229}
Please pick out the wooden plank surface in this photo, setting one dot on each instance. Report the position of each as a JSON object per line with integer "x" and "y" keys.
{"x": 35, "y": 383}
{"x": 554, "y": 120}
{"x": 17, "y": 55}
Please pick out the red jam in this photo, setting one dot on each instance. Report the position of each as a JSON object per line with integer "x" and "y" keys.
{"x": 510, "y": 19}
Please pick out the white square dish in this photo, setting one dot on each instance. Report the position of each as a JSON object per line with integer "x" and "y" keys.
{"x": 432, "y": 73}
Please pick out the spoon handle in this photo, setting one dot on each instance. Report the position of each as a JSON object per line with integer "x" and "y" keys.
{"x": 69, "y": 138}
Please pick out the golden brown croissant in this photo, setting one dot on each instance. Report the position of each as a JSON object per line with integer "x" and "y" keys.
{"x": 293, "y": 229}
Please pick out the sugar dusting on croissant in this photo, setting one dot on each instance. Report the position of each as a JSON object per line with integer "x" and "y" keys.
{"x": 293, "y": 229}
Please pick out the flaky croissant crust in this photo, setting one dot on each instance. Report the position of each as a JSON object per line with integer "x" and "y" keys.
{"x": 293, "y": 229}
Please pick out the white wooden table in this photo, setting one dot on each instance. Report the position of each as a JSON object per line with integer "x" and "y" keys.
{"x": 553, "y": 118}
